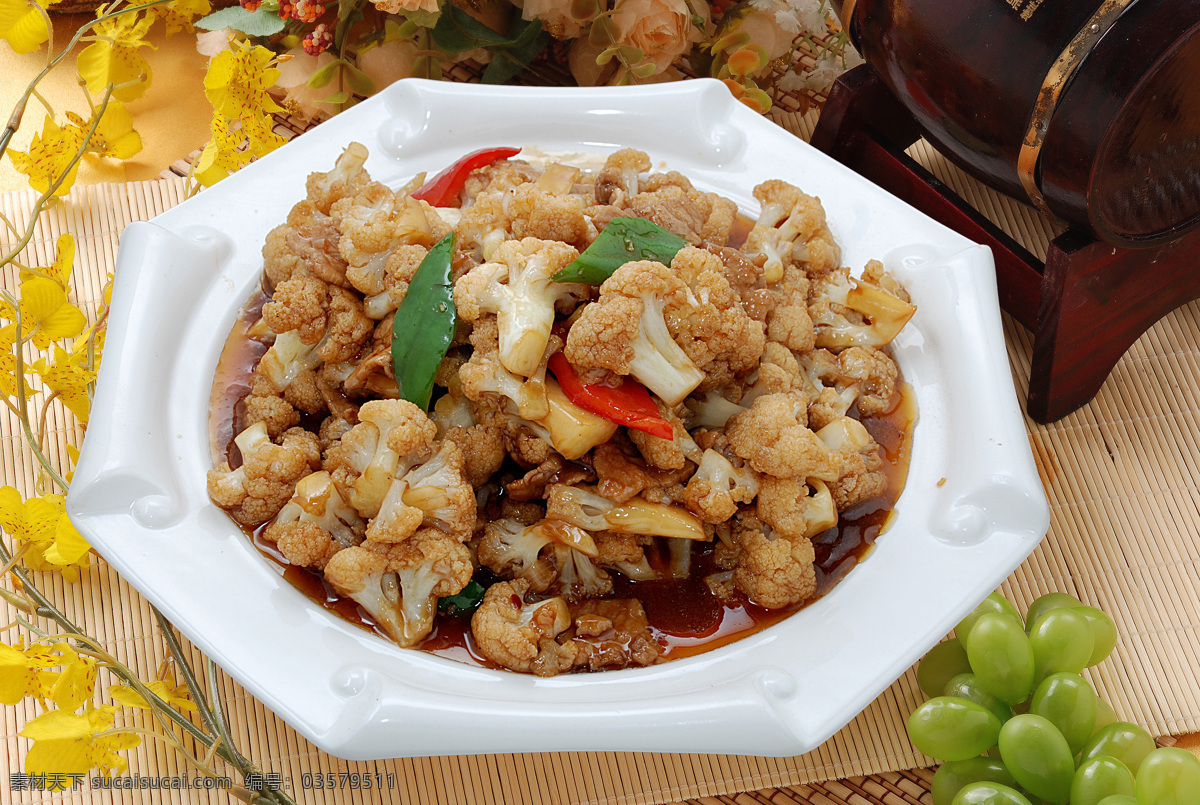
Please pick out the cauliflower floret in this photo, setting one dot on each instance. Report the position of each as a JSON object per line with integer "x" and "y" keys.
{"x": 258, "y": 489}
{"x": 788, "y": 321}
{"x": 717, "y": 487}
{"x": 441, "y": 491}
{"x": 860, "y": 475}
{"x": 390, "y": 437}
{"x": 397, "y": 274}
{"x": 848, "y": 312}
{"x": 670, "y": 200}
{"x": 317, "y": 504}
{"x": 578, "y": 575}
{"x": 580, "y": 506}
{"x": 520, "y": 636}
{"x": 266, "y": 405}
{"x": 399, "y": 584}
{"x": 624, "y": 553}
{"x": 772, "y": 437}
{"x": 618, "y": 180}
{"x": 786, "y": 506}
{"x": 791, "y": 228}
{"x": 348, "y": 178}
{"x": 712, "y": 410}
{"x": 380, "y": 241}
{"x": 626, "y": 331}
{"x": 316, "y": 523}
{"x": 536, "y": 213}
{"x": 513, "y": 550}
{"x": 481, "y": 442}
{"x": 714, "y": 330}
{"x": 774, "y": 571}
{"x": 298, "y": 304}
{"x": 306, "y": 244}
{"x": 875, "y": 374}
{"x": 518, "y": 289}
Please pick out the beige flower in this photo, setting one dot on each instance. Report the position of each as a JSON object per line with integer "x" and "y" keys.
{"x": 661, "y": 28}
{"x": 397, "y": 6}
{"x": 557, "y": 17}
{"x": 293, "y": 81}
{"x": 389, "y": 62}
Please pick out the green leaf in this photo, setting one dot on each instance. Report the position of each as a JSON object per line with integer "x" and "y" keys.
{"x": 251, "y": 23}
{"x": 421, "y": 18}
{"x": 424, "y": 324}
{"x": 359, "y": 81}
{"x": 322, "y": 77}
{"x": 510, "y": 60}
{"x": 623, "y": 240}
{"x": 463, "y": 603}
{"x": 337, "y": 97}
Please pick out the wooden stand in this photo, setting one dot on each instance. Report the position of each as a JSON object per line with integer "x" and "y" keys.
{"x": 1085, "y": 305}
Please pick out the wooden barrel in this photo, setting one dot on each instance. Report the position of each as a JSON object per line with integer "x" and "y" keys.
{"x": 1088, "y": 109}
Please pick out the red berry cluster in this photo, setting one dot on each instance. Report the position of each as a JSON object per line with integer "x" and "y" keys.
{"x": 250, "y": 5}
{"x": 308, "y": 10}
{"x": 318, "y": 40}
{"x": 287, "y": 10}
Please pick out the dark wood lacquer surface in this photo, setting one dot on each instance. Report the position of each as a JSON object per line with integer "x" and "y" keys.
{"x": 1120, "y": 150}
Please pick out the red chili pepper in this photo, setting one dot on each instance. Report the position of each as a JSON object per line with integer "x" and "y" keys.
{"x": 628, "y": 404}
{"x": 443, "y": 190}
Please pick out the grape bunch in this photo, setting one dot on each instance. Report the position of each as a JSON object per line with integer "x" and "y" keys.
{"x": 1014, "y": 722}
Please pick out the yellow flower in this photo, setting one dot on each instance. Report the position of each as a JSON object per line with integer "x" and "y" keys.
{"x": 114, "y": 135}
{"x": 221, "y": 155}
{"x": 70, "y": 378}
{"x": 164, "y": 687}
{"x": 114, "y": 57}
{"x": 54, "y": 543}
{"x": 237, "y": 80}
{"x": 23, "y": 672}
{"x": 178, "y": 16}
{"x": 50, "y": 153}
{"x": 46, "y": 313}
{"x": 64, "y": 260}
{"x": 8, "y": 362}
{"x": 23, "y": 24}
{"x": 76, "y": 682}
{"x": 74, "y": 743}
{"x": 261, "y": 136}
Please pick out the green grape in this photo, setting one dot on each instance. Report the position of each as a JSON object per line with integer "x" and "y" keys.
{"x": 1061, "y": 641}
{"x": 1001, "y": 657}
{"x": 1100, "y": 777}
{"x": 988, "y": 793}
{"x": 993, "y": 603}
{"x": 1104, "y": 634}
{"x": 966, "y": 686}
{"x": 1047, "y": 602}
{"x": 1068, "y": 702}
{"x": 1038, "y": 757}
{"x": 1127, "y": 742}
{"x": 951, "y": 777}
{"x": 945, "y": 660}
{"x": 949, "y": 728}
{"x": 1105, "y": 715}
{"x": 1118, "y": 799}
{"x": 1168, "y": 776}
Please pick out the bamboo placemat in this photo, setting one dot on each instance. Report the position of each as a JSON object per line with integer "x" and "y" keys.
{"x": 1122, "y": 479}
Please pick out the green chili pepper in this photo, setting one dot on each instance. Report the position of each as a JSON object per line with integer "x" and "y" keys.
{"x": 424, "y": 324}
{"x": 464, "y": 602}
{"x": 622, "y": 241}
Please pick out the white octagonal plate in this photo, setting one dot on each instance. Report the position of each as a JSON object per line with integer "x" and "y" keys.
{"x": 973, "y": 508}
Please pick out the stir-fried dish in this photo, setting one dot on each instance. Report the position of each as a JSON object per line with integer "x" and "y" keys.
{"x": 520, "y": 390}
